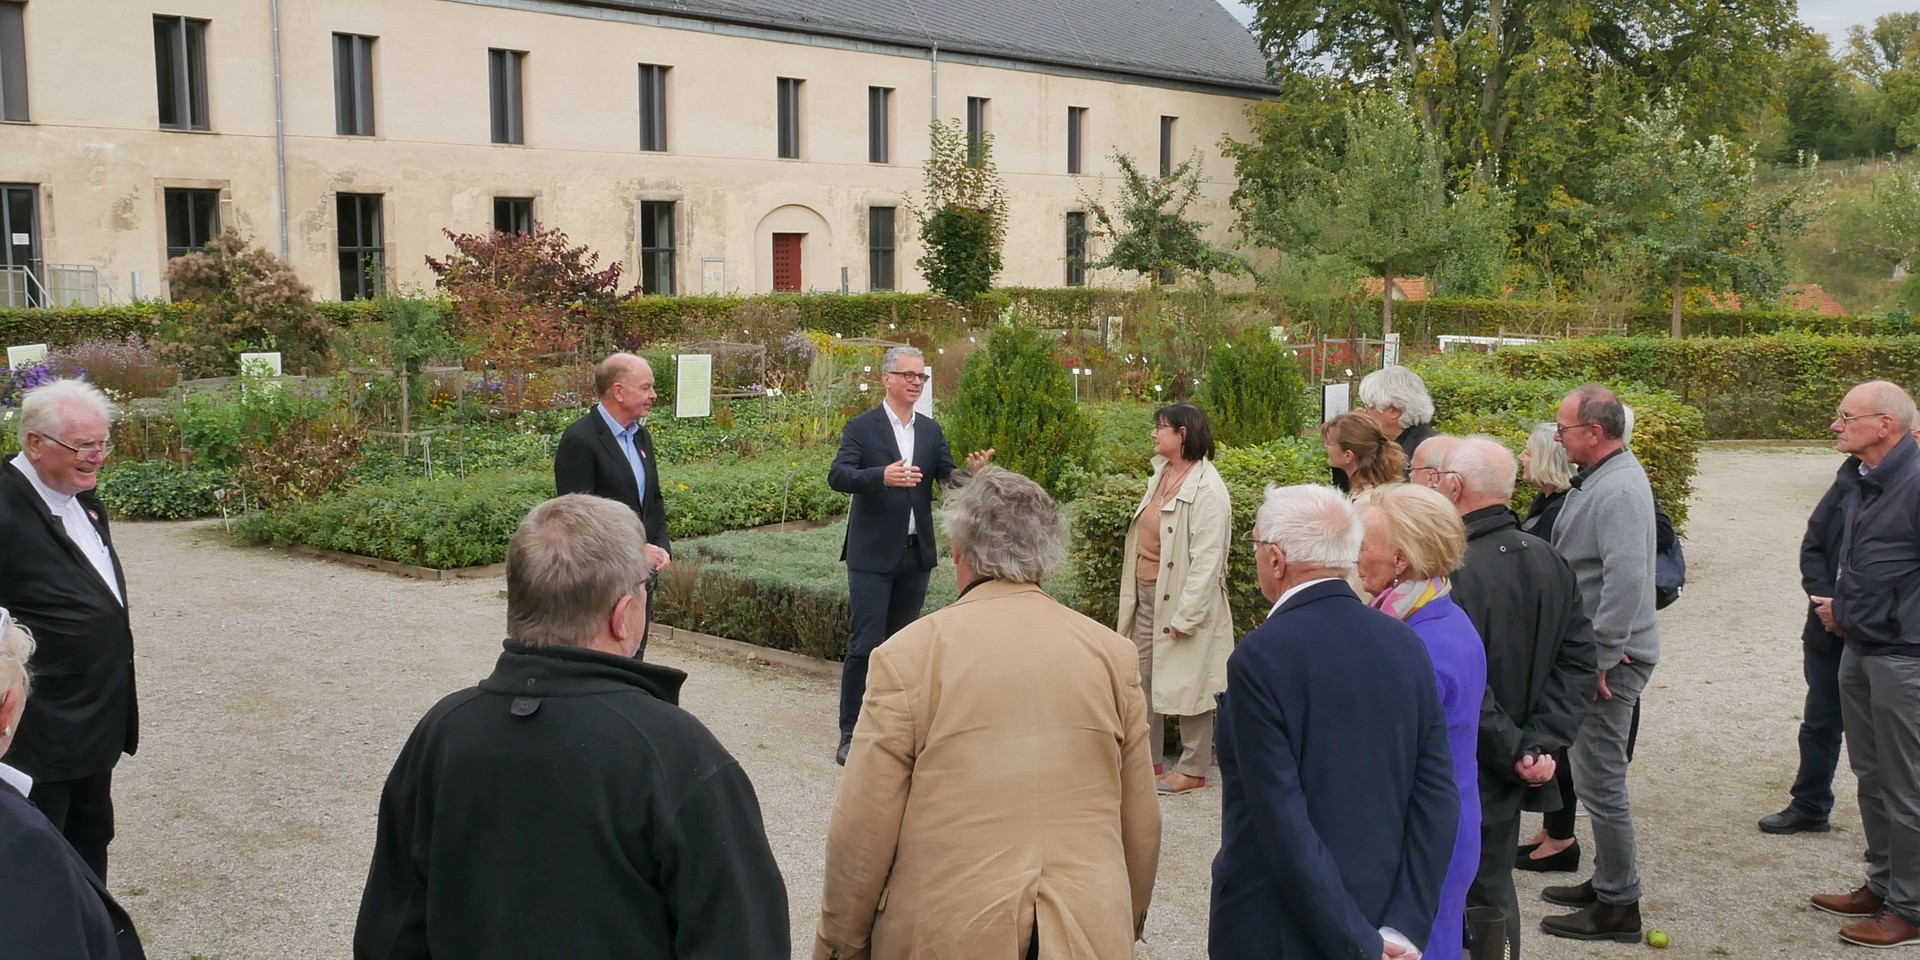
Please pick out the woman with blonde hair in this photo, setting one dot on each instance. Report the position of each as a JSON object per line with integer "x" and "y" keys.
{"x": 1414, "y": 538}
{"x": 1360, "y": 454}
{"x": 51, "y": 903}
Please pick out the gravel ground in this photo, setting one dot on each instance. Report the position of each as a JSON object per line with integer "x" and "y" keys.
{"x": 277, "y": 690}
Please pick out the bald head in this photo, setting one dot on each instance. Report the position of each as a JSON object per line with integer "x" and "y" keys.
{"x": 1885, "y": 396}
{"x": 1430, "y": 458}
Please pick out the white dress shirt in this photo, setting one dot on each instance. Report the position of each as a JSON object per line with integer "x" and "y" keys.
{"x": 73, "y": 516}
{"x": 1296, "y": 588}
{"x": 903, "y": 435}
{"x": 15, "y": 779}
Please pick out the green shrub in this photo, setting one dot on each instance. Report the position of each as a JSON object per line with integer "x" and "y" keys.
{"x": 216, "y": 425}
{"x": 158, "y": 490}
{"x": 1253, "y": 392}
{"x": 1016, "y": 398}
{"x": 247, "y": 300}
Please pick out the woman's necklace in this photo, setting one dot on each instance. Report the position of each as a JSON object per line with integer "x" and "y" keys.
{"x": 1170, "y": 484}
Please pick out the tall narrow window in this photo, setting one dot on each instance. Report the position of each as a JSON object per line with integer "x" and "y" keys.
{"x": 656, "y": 247}
{"x": 879, "y": 100}
{"x": 503, "y": 83}
{"x": 180, "y": 70}
{"x": 193, "y": 217}
{"x": 788, "y": 92}
{"x": 1076, "y": 249}
{"x": 352, "y": 85}
{"x": 653, "y": 107}
{"x": 976, "y": 126}
{"x": 513, "y": 214}
{"x": 363, "y": 252}
{"x": 1076, "y": 130}
{"x": 880, "y": 248}
{"x": 13, "y": 62}
{"x": 1166, "y": 145}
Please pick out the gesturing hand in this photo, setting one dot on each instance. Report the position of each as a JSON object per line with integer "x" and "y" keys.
{"x": 901, "y": 474}
{"x": 979, "y": 458}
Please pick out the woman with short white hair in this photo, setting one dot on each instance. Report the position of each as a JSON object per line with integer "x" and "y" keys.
{"x": 1544, "y": 464}
{"x": 1397, "y": 399}
{"x": 51, "y": 903}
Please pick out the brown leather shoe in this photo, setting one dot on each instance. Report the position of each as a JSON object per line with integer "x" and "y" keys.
{"x": 1883, "y": 929}
{"x": 1859, "y": 903}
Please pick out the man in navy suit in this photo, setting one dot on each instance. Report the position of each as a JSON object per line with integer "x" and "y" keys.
{"x": 1339, "y": 810}
{"x": 609, "y": 453}
{"x": 889, "y": 459}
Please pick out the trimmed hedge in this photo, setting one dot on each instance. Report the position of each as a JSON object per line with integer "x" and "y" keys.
{"x": 161, "y": 490}
{"x": 1778, "y": 387}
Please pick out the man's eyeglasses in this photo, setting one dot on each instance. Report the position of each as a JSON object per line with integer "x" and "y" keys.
{"x": 1561, "y": 429}
{"x": 921, "y": 377}
{"x": 90, "y": 451}
{"x": 1254, "y": 538}
{"x": 1849, "y": 418}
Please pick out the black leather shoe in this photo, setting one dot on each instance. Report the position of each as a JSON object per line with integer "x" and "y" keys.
{"x": 846, "y": 744}
{"x": 1598, "y": 921}
{"x": 1566, "y": 861}
{"x": 1580, "y": 895}
{"x": 1793, "y": 821}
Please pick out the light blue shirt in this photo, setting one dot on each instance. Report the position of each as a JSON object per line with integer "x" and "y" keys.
{"x": 624, "y": 437}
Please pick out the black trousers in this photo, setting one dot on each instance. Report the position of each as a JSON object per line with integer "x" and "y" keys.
{"x": 1493, "y": 880}
{"x": 653, "y": 583}
{"x": 1820, "y": 726}
{"x": 880, "y": 604}
{"x": 82, "y": 810}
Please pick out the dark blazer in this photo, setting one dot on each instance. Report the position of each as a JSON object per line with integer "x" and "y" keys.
{"x": 84, "y": 712}
{"x": 1525, "y": 601}
{"x": 877, "y": 520}
{"x": 588, "y": 460}
{"x": 1338, "y": 807}
{"x": 51, "y": 903}
{"x": 1820, "y": 548}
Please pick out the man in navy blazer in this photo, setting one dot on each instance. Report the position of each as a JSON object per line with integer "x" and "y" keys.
{"x": 1339, "y": 810}
{"x": 609, "y": 453}
{"x": 889, "y": 459}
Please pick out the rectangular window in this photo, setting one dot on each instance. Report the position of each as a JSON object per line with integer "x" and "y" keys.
{"x": 788, "y": 91}
{"x": 363, "y": 252}
{"x": 503, "y": 84}
{"x": 513, "y": 214}
{"x": 1076, "y": 249}
{"x": 180, "y": 69}
{"x": 1166, "y": 145}
{"x": 352, "y": 85}
{"x": 656, "y": 247}
{"x": 1076, "y": 129}
{"x": 879, "y": 100}
{"x": 880, "y": 248}
{"x": 193, "y": 218}
{"x": 13, "y": 62}
{"x": 653, "y": 107}
{"x": 976, "y": 126}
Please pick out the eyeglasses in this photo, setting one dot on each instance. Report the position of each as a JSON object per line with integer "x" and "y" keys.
{"x": 1559, "y": 429}
{"x": 91, "y": 451}
{"x": 920, "y": 377}
{"x": 1254, "y": 539}
{"x": 1848, "y": 419}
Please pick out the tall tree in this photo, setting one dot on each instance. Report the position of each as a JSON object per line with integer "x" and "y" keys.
{"x": 1887, "y": 56}
{"x": 963, "y": 218}
{"x": 1151, "y": 233}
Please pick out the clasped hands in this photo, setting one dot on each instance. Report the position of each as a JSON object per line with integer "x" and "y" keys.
{"x": 1535, "y": 768}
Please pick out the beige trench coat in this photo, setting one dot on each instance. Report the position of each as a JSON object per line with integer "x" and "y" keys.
{"x": 1192, "y": 586}
{"x": 1000, "y": 772}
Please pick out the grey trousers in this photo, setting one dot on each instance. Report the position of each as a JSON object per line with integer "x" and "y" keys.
{"x": 1599, "y": 758}
{"x": 1880, "y": 709}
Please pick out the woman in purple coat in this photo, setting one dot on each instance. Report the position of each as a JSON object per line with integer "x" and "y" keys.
{"x": 1414, "y": 538}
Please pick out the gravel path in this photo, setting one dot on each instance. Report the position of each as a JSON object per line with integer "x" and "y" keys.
{"x": 277, "y": 690}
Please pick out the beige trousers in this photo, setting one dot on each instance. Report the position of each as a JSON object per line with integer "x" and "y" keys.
{"x": 1196, "y": 732}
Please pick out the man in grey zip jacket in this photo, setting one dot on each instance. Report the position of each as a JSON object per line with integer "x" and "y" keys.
{"x": 1606, "y": 533}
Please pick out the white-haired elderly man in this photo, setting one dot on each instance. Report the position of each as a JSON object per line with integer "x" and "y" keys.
{"x": 1397, "y": 399}
{"x": 1337, "y": 791}
{"x": 566, "y": 806}
{"x": 59, "y": 575}
{"x": 1525, "y": 602}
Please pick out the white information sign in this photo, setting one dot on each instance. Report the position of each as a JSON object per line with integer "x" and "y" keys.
{"x": 1335, "y": 399}
{"x": 1390, "y": 351}
{"x": 260, "y": 364}
{"x": 25, "y": 355}
{"x": 693, "y": 385}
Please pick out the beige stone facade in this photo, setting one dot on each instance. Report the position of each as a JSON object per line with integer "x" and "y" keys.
{"x": 99, "y": 165}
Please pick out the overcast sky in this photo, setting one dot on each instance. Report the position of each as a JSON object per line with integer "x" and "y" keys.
{"x": 1831, "y": 17}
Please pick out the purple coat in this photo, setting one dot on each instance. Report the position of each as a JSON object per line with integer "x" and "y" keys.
{"x": 1460, "y": 673}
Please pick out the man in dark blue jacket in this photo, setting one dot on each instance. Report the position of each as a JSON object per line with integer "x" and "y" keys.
{"x": 1876, "y": 606}
{"x": 889, "y": 459}
{"x": 1339, "y": 811}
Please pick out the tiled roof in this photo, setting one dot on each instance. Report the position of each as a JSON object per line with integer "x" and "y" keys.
{"x": 1196, "y": 41}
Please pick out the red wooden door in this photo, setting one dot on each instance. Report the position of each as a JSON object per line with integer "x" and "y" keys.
{"x": 786, "y": 262}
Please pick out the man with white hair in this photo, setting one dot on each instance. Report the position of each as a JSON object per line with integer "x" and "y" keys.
{"x": 1876, "y": 608}
{"x": 59, "y": 575}
{"x": 1396, "y": 398}
{"x": 1524, "y": 601}
{"x": 1337, "y": 792}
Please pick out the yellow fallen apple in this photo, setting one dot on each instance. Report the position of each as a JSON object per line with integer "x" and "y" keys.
{"x": 1657, "y": 938}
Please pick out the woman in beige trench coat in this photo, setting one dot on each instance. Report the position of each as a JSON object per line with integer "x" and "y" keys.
{"x": 1173, "y": 590}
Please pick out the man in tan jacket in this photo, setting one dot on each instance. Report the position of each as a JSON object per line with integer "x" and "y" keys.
{"x": 998, "y": 801}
